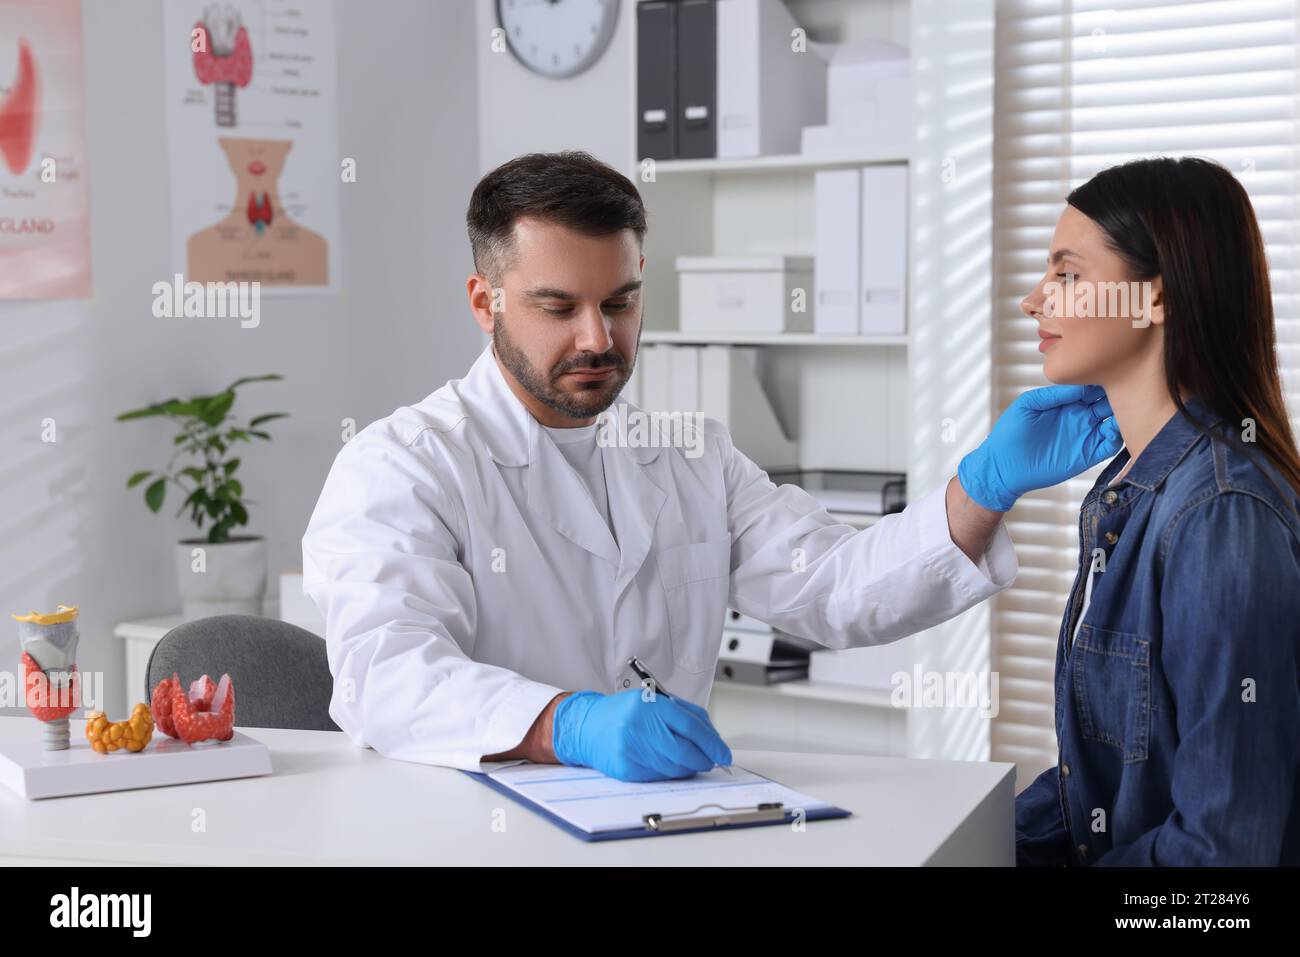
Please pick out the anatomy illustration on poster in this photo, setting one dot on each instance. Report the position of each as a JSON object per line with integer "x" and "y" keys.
{"x": 44, "y": 200}
{"x": 253, "y": 144}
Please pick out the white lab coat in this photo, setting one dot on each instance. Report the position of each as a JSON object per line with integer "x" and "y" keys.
{"x": 466, "y": 577}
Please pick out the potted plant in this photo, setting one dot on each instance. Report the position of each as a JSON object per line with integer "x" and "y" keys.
{"x": 219, "y": 573}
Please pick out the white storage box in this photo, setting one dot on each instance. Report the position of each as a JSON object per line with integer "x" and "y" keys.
{"x": 766, "y": 90}
{"x": 883, "y": 273}
{"x": 876, "y": 94}
{"x": 753, "y": 294}
{"x": 868, "y": 102}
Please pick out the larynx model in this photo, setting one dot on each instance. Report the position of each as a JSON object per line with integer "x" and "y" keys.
{"x": 51, "y": 685}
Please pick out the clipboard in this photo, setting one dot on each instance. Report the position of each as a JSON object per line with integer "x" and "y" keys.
{"x": 659, "y": 825}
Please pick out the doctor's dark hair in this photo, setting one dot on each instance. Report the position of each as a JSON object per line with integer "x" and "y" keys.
{"x": 570, "y": 188}
{"x": 1190, "y": 222}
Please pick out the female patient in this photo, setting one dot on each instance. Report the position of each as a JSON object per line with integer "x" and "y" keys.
{"x": 1177, "y": 695}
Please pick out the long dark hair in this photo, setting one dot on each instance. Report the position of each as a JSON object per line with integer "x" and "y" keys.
{"x": 1190, "y": 222}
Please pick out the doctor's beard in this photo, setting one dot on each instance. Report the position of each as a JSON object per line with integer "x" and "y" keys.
{"x": 594, "y": 399}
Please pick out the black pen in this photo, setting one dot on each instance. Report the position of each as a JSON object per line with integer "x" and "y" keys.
{"x": 644, "y": 674}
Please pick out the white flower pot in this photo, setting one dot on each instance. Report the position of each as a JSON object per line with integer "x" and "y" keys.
{"x": 228, "y": 578}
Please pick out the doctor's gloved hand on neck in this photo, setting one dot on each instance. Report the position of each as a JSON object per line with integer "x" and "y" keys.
{"x": 636, "y": 735}
{"x": 1046, "y": 436}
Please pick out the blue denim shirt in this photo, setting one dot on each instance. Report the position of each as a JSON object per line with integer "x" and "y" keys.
{"x": 1178, "y": 703}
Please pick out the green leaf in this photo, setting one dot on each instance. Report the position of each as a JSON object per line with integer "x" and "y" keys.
{"x": 253, "y": 378}
{"x": 180, "y": 438}
{"x": 231, "y": 466}
{"x": 140, "y": 413}
{"x": 191, "y": 500}
{"x": 229, "y": 490}
{"x": 259, "y": 434}
{"x": 239, "y": 513}
{"x": 215, "y": 408}
{"x": 267, "y": 418}
{"x": 137, "y": 478}
{"x": 177, "y": 407}
{"x": 194, "y": 472}
{"x": 153, "y": 495}
{"x": 236, "y": 435}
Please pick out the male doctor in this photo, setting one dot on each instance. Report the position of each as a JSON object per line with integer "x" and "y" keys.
{"x": 486, "y": 567}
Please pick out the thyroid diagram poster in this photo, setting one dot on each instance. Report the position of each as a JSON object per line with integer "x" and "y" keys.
{"x": 253, "y": 144}
{"x": 44, "y": 196}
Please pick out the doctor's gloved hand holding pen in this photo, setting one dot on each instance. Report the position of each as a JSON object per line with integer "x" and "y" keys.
{"x": 634, "y": 737}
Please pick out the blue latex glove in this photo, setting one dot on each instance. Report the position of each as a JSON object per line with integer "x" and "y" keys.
{"x": 1046, "y": 436}
{"x": 632, "y": 739}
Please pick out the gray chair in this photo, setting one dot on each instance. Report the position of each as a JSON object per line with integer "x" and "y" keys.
{"x": 280, "y": 672}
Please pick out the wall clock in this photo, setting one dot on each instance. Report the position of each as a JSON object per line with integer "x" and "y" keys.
{"x": 557, "y": 38}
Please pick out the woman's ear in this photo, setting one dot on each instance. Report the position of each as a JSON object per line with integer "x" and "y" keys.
{"x": 1156, "y": 303}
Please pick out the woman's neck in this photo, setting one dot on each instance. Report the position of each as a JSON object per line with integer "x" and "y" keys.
{"x": 1142, "y": 407}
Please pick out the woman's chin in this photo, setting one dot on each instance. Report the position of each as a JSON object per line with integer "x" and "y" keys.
{"x": 1059, "y": 372}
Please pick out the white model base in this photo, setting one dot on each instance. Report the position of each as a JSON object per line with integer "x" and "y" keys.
{"x": 29, "y": 770}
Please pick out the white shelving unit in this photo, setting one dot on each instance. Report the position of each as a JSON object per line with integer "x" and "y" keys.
{"x": 849, "y": 407}
{"x": 769, "y": 164}
{"x": 809, "y": 716}
{"x": 844, "y": 399}
{"x": 759, "y": 339}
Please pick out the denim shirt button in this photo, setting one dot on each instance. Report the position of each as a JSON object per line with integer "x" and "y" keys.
{"x": 1083, "y": 850}
{"x": 1109, "y": 498}
{"x": 1065, "y": 770}
{"x": 1111, "y": 538}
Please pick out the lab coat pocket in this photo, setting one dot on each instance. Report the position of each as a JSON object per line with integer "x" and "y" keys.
{"x": 1112, "y": 689}
{"x": 695, "y": 579}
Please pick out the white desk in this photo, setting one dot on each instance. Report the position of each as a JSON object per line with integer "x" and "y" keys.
{"x": 330, "y": 802}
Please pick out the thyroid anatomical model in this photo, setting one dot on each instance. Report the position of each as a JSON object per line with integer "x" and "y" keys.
{"x": 51, "y": 685}
{"x": 108, "y": 737}
{"x": 223, "y": 58}
{"x": 206, "y": 713}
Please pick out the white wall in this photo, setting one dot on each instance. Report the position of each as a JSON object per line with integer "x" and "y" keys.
{"x": 522, "y": 112}
{"x": 69, "y": 530}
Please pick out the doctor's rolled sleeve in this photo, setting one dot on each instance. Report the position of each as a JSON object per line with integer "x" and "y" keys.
{"x": 399, "y": 609}
{"x": 795, "y": 567}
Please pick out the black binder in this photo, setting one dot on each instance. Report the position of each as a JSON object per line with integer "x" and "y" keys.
{"x": 656, "y": 73}
{"x": 697, "y": 79}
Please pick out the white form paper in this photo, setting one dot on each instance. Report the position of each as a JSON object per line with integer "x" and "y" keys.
{"x": 594, "y": 802}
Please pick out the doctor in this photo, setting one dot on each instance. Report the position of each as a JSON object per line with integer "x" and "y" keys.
{"x": 486, "y": 566}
